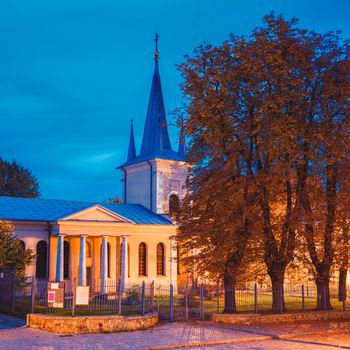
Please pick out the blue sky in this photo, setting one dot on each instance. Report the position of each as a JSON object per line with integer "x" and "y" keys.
{"x": 74, "y": 72}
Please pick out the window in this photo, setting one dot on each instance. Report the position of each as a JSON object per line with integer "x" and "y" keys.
{"x": 41, "y": 259}
{"x": 174, "y": 206}
{"x": 88, "y": 249}
{"x": 142, "y": 259}
{"x": 178, "y": 259}
{"x": 66, "y": 260}
{"x": 160, "y": 259}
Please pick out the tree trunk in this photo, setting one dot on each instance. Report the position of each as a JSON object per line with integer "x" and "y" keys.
{"x": 323, "y": 295}
{"x": 342, "y": 284}
{"x": 277, "y": 280}
{"x": 230, "y": 294}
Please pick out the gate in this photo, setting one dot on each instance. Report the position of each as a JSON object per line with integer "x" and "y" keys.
{"x": 180, "y": 303}
{"x": 7, "y": 285}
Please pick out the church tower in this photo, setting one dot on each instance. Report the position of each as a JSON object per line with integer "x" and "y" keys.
{"x": 156, "y": 177}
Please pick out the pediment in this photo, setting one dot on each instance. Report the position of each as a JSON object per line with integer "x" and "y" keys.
{"x": 95, "y": 213}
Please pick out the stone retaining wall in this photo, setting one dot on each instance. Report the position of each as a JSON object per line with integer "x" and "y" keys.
{"x": 91, "y": 324}
{"x": 281, "y": 318}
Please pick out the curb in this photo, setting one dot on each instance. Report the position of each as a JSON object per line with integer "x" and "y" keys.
{"x": 244, "y": 340}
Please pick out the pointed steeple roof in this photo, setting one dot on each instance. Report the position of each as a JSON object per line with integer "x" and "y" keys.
{"x": 155, "y": 135}
{"x": 155, "y": 141}
{"x": 132, "y": 148}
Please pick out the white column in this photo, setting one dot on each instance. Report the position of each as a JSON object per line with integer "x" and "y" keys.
{"x": 82, "y": 261}
{"x": 59, "y": 258}
{"x": 104, "y": 266}
{"x": 124, "y": 257}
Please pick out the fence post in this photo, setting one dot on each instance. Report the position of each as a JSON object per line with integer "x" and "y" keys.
{"x": 217, "y": 298}
{"x": 171, "y": 303}
{"x": 186, "y": 303}
{"x": 33, "y": 291}
{"x": 255, "y": 298}
{"x": 201, "y": 304}
{"x": 302, "y": 298}
{"x": 151, "y": 297}
{"x": 74, "y": 293}
{"x": 143, "y": 298}
{"x": 119, "y": 297}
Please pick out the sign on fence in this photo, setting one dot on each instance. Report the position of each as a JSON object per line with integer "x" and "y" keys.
{"x": 82, "y": 295}
{"x": 55, "y": 294}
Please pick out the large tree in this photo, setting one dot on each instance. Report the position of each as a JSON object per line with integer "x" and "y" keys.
{"x": 323, "y": 144}
{"x": 16, "y": 181}
{"x": 267, "y": 120}
{"x": 215, "y": 215}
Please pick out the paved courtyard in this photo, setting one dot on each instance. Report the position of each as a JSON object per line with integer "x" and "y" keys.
{"x": 183, "y": 335}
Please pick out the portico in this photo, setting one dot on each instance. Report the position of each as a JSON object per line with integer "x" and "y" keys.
{"x": 95, "y": 246}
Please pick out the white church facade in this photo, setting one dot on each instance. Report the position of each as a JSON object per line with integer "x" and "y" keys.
{"x": 96, "y": 243}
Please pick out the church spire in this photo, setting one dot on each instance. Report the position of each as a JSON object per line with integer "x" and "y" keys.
{"x": 155, "y": 139}
{"x": 132, "y": 148}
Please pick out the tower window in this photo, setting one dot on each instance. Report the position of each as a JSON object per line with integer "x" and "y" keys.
{"x": 174, "y": 206}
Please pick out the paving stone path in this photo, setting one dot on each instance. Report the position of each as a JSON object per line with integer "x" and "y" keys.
{"x": 14, "y": 335}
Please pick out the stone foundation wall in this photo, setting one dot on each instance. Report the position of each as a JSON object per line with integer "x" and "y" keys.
{"x": 281, "y": 318}
{"x": 91, "y": 324}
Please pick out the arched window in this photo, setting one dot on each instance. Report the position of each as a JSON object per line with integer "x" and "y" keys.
{"x": 88, "y": 249}
{"x": 22, "y": 245}
{"x": 41, "y": 259}
{"x": 174, "y": 206}
{"x": 142, "y": 259}
{"x": 108, "y": 259}
{"x": 160, "y": 259}
{"x": 66, "y": 249}
{"x": 120, "y": 264}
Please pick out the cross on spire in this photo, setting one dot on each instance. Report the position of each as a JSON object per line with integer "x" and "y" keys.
{"x": 156, "y": 53}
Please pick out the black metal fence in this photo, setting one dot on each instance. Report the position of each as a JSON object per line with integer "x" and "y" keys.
{"x": 171, "y": 302}
{"x": 113, "y": 300}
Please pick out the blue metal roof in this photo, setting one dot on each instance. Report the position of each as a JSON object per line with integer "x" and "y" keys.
{"x": 170, "y": 155}
{"x": 37, "y": 209}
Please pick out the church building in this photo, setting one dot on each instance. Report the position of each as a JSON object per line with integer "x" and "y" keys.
{"x": 97, "y": 243}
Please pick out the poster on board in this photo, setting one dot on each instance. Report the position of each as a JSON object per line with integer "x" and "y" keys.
{"x": 82, "y": 295}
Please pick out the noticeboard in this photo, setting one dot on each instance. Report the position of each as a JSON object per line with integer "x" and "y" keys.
{"x": 55, "y": 294}
{"x": 82, "y": 295}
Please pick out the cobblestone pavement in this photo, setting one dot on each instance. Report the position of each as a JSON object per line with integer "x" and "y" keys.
{"x": 13, "y": 335}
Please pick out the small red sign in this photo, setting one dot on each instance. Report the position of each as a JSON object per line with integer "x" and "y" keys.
{"x": 51, "y": 297}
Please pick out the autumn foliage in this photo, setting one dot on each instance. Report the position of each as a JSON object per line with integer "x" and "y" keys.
{"x": 268, "y": 123}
